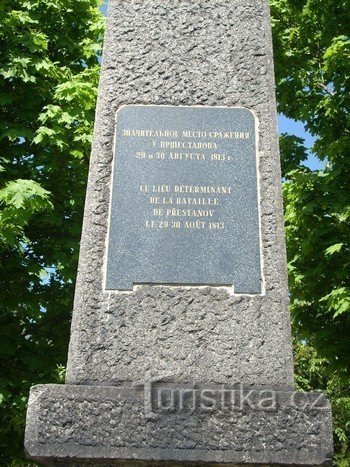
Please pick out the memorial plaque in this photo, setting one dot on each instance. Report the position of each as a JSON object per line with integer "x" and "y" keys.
{"x": 184, "y": 202}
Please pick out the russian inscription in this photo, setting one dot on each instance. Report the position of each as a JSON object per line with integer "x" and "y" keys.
{"x": 184, "y": 199}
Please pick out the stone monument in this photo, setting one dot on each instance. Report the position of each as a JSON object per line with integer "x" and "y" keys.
{"x": 180, "y": 345}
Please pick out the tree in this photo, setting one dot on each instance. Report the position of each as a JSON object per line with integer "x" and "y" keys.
{"x": 312, "y": 373}
{"x": 312, "y": 52}
{"x": 48, "y": 79}
{"x": 312, "y": 48}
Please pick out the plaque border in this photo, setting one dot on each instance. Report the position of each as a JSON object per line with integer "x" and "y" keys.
{"x": 228, "y": 288}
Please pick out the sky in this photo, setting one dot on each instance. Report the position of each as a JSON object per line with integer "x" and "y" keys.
{"x": 285, "y": 125}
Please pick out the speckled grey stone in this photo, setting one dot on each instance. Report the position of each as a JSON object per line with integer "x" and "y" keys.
{"x": 107, "y": 423}
{"x": 179, "y": 52}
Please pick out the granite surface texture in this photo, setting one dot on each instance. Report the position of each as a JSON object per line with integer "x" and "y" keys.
{"x": 179, "y": 52}
{"x": 176, "y": 52}
{"x": 108, "y": 423}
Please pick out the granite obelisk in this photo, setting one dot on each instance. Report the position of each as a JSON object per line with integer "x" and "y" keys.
{"x": 180, "y": 344}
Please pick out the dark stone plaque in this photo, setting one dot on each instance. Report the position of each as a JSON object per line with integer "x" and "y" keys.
{"x": 184, "y": 203}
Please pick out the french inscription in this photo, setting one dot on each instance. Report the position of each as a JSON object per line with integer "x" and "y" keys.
{"x": 184, "y": 202}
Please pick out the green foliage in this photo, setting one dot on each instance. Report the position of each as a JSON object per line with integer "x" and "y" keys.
{"x": 294, "y": 151}
{"x": 20, "y": 200}
{"x": 312, "y": 52}
{"x": 312, "y": 56}
{"x": 317, "y": 224}
{"x": 313, "y": 373}
{"x": 48, "y": 79}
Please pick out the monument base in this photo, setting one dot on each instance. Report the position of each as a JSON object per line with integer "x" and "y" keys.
{"x": 177, "y": 425}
